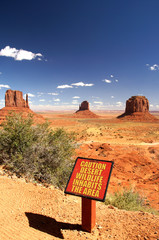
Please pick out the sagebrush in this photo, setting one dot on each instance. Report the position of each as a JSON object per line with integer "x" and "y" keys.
{"x": 36, "y": 151}
{"x": 130, "y": 200}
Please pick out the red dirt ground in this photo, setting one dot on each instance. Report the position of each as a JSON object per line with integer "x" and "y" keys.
{"x": 135, "y": 167}
{"x": 30, "y": 211}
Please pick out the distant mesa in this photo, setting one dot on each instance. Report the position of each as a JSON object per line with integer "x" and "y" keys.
{"x": 14, "y": 102}
{"x": 84, "y": 106}
{"x": 137, "y": 108}
{"x": 84, "y": 111}
{"x": 15, "y": 99}
{"x": 137, "y": 104}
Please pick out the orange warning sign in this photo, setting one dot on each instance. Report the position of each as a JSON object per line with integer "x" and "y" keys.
{"x": 90, "y": 178}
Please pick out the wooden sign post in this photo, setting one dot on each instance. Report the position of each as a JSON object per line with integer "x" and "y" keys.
{"x": 89, "y": 180}
{"x": 88, "y": 214}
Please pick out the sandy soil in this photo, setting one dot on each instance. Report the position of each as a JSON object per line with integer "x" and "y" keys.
{"x": 29, "y": 211}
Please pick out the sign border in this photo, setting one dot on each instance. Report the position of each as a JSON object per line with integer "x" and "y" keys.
{"x": 93, "y": 198}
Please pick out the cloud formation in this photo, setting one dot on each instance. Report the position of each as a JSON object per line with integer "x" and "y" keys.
{"x": 76, "y": 97}
{"x": 107, "y": 80}
{"x": 78, "y": 84}
{"x": 53, "y": 94}
{"x": 29, "y": 95}
{"x": 119, "y": 104}
{"x": 65, "y": 86}
{"x": 75, "y": 102}
{"x": 96, "y": 102}
{"x": 4, "y": 86}
{"x": 81, "y": 84}
{"x": 19, "y": 54}
{"x": 154, "y": 67}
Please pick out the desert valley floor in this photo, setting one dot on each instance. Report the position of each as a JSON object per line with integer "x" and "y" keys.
{"x": 30, "y": 211}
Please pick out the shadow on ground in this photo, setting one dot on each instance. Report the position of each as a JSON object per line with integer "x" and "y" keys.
{"x": 49, "y": 225}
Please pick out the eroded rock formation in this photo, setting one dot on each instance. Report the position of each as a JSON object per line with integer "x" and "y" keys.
{"x": 15, "y": 99}
{"x": 14, "y": 102}
{"x": 84, "y": 106}
{"x": 137, "y": 109}
{"x": 137, "y": 104}
{"x": 84, "y": 111}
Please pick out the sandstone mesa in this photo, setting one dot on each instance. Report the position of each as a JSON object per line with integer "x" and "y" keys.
{"x": 137, "y": 109}
{"x": 84, "y": 111}
{"x": 14, "y": 102}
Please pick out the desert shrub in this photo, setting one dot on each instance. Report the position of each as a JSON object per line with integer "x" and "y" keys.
{"x": 129, "y": 200}
{"x": 37, "y": 152}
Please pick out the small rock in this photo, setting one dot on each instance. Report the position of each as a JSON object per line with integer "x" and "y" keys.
{"x": 111, "y": 207}
{"x": 99, "y": 227}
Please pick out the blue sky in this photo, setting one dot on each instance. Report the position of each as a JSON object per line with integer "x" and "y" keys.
{"x": 63, "y": 52}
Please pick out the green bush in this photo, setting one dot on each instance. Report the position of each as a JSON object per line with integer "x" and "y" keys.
{"x": 37, "y": 152}
{"x": 129, "y": 200}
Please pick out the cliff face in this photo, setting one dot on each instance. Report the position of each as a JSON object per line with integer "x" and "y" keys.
{"x": 137, "y": 104}
{"x": 14, "y": 102}
{"x": 137, "y": 109}
{"x": 84, "y": 106}
{"x": 15, "y": 99}
{"x": 84, "y": 111}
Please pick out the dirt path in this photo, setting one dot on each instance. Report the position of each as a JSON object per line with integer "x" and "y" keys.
{"x": 125, "y": 143}
{"x": 30, "y": 212}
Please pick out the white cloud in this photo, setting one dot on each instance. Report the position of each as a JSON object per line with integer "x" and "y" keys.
{"x": 97, "y": 102}
{"x": 81, "y": 84}
{"x": 42, "y": 100}
{"x": 119, "y": 104}
{"x": 112, "y": 96}
{"x": 107, "y": 80}
{"x": 29, "y": 95}
{"x": 54, "y": 94}
{"x": 64, "y": 86}
{"x": 111, "y": 76}
{"x": 116, "y": 80}
{"x": 57, "y": 100}
{"x": 4, "y": 86}
{"x": 154, "y": 67}
{"x": 75, "y": 102}
{"x": 76, "y": 97}
{"x": 0, "y": 73}
{"x": 19, "y": 55}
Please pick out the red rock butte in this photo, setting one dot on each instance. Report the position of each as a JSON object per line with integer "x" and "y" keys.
{"x": 14, "y": 102}
{"x": 84, "y": 111}
{"x": 15, "y": 99}
{"x": 137, "y": 109}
